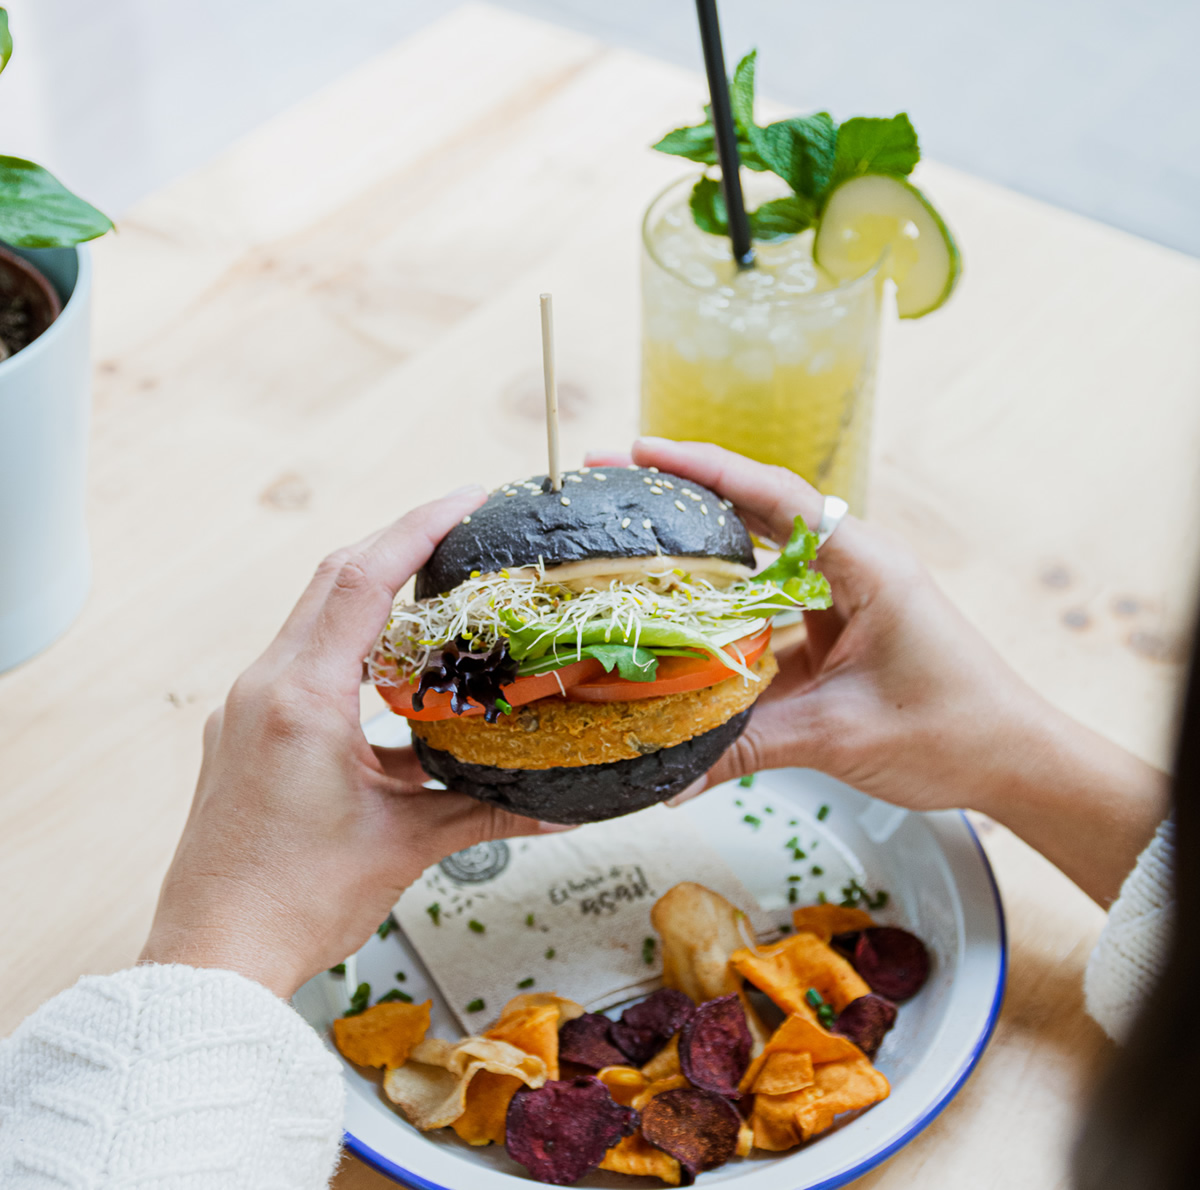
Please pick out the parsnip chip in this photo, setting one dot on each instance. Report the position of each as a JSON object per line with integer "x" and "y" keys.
{"x": 745, "y": 1141}
{"x": 827, "y": 920}
{"x": 383, "y": 1035}
{"x": 529, "y": 1027}
{"x": 568, "y": 1010}
{"x": 637, "y": 1156}
{"x": 786, "y": 970}
{"x": 665, "y": 1063}
{"x": 800, "y": 1035}
{"x": 624, "y": 1083}
{"x": 671, "y": 1083}
{"x": 700, "y": 931}
{"x": 782, "y": 1121}
{"x": 784, "y": 1072}
{"x": 431, "y": 1087}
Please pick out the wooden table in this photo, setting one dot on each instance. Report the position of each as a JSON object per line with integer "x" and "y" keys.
{"x": 339, "y": 317}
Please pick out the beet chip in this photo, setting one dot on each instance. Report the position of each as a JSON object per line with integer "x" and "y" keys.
{"x": 714, "y": 1047}
{"x": 646, "y": 1027}
{"x": 894, "y": 962}
{"x": 585, "y": 1041}
{"x": 698, "y": 1128}
{"x": 844, "y": 944}
{"x": 562, "y": 1130}
{"x": 865, "y": 1020}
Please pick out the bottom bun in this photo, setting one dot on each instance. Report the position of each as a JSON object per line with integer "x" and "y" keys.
{"x": 588, "y": 792}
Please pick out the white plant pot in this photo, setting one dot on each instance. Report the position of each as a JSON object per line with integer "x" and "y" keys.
{"x": 45, "y": 408}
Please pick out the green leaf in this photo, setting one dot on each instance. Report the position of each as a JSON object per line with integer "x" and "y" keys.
{"x": 741, "y": 92}
{"x": 866, "y": 145}
{"x": 708, "y": 207}
{"x": 38, "y": 211}
{"x": 696, "y": 143}
{"x": 790, "y": 570}
{"x": 800, "y": 151}
{"x": 633, "y": 663}
{"x": 5, "y": 39}
{"x": 781, "y": 217}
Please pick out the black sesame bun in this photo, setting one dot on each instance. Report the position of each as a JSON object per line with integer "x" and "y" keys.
{"x": 589, "y": 792}
{"x": 601, "y": 512}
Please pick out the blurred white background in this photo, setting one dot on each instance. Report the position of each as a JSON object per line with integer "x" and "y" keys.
{"x": 1092, "y": 105}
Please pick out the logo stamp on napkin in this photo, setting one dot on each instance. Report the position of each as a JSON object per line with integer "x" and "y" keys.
{"x": 566, "y": 913}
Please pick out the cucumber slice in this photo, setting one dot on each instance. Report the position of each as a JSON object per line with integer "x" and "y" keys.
{"x": 869, "y": 214}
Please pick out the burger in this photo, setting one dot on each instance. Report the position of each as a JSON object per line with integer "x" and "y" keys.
{"x": 582, "y": 653}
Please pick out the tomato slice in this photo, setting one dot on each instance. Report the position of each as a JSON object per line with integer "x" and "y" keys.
{"x": 518, "y": 693}
{"x": 675, "y": 675}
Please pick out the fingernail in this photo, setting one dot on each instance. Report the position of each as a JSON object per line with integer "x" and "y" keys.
{"x": 696, "y": 787}
{"x": 467, "y": 487}
{"x": 550, "y": 828}
{"x": 654, "y": 442}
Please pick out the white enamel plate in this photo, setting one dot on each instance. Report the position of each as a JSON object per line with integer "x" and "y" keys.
{"x": 941, "y": 888}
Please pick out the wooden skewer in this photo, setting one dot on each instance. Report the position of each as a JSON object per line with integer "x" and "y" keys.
{"x": 547, "y": 303}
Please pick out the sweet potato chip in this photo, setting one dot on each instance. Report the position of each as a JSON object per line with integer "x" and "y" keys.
{"x": 637, "y": 1156}
{"x": 568, "y": 1010}
{"x": 799, "y": 1034}
{"x": 658, "y": 1087}
{"x": 624, "y": 1083}
{"x": 665, "y": 1063}
{"x": 383, "y": 1035}
{"x": 431, "y": 1087}
{"x": 786, "y": 970}
{"x": 745, "y": 1140}
{"x": 529, "y": 1027}
{"x": 827, "y": 920}
{"x": 783, "y": 1072}
{"x": 700, "y": 930}
{"x": 782, "y": 1121}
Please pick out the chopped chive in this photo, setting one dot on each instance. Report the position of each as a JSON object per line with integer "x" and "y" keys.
{"x": 394, "y": 994}
{"x": 825, "y": 1016}
{"x": 649, "y": 945}
{"x": 401, "y": 977}
{"x": 738, "y": 802}
{"x": 504, "y": 705}
{"x": 359, "y": 1001}
{"x": 435, "y": 913}
{"x": 822, "y": 899}
{"x": 794, "y": 841}
{"x": 475, "y": 1006}
{"x": 798, "y": 855}
{"x": 529, "y": 920}
{"x": 526, "y": 983}
{"x": 752, "y": 820}
{"x": 551, "y": 953}
{"x": 340, "y": 969}
{"x": 814, "y": 998}
{"x": 793, "y": 822}
{"x": 768, "y": 809}
{"x": 795, "y": 879}
{"x": 785, "y": 929}
{"x": 746, "y": 781}
{"x": 386, "y": 926}
{"x": 880, "y": 899}
{"x": 476, "y": 927}
{"x": 823, "y": 813}
{"x": 818, "y": 871}
{"x": 793, "y": 895}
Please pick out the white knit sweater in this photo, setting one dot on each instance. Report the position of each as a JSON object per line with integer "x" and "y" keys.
{"x": 168, "y": 1078}
{"x": 172, "y": 1078}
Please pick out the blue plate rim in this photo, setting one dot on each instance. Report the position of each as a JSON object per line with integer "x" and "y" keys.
{"x": 405, "y": 1177}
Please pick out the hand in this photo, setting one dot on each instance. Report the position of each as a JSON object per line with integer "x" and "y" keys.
{"x": 302, "y": 836}
{"x": 895, "y": 693}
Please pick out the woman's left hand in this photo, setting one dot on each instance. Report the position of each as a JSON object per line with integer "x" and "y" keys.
{"x": 301, "y": 835}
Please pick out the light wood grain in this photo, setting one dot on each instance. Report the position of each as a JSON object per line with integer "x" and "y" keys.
{"x": 338, "y": 317}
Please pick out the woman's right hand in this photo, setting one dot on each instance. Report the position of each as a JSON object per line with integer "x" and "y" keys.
{"x": 894, "y": 692}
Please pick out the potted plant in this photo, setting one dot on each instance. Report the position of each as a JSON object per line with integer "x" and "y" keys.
{"x": 45, "y": 287}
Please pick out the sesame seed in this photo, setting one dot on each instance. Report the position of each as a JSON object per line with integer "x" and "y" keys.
{"x": 681, "y": 506}
{"x": 720, "y": 520}
{"x": 585, "y": 470}
{"x": 693, "y": 496}
{"x": 666, "y": 483}
{"x": 574, "y": 479}
{"x": 510, "y": 493}
{"x": 563, "y": 500}
{"x": 654, "y": 469}
{"x": 632, "y": 467}
{"x": 704, "y": 509}
{"x": 625, "y": 523}
{"x": 656, "y": 491}
{"x": 647, "y": 525}
{"x": 466, "y": 520}
{"x": 599, "y": 476}
{"x": 647, "y": 479}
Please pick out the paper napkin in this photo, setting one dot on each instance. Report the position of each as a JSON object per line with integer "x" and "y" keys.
{"x": 566, "y": 913}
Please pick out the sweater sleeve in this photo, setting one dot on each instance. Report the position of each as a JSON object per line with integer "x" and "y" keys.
{"x": 169, "y": 1077}
{"x": 1132, "y": 950}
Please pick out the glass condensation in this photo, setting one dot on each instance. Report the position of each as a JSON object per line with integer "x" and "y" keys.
{"x": 775, "y": 362}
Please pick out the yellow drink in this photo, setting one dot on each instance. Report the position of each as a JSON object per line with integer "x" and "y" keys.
{"x": 776, "y": 362}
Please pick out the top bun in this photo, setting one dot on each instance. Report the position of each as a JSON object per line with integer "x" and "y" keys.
{"x": 601, "y": 512}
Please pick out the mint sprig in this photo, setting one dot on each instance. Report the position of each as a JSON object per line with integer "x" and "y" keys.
{"x": 812, "y": 154}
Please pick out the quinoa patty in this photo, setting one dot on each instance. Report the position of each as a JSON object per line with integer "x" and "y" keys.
{"x": 557, "y": 733}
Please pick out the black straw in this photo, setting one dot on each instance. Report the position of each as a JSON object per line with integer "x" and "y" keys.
{"x": 727, "y": 150}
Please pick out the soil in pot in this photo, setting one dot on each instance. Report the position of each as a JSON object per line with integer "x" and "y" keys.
{"x": 28, "y": 303}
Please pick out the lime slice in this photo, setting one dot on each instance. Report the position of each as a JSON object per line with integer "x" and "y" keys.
{"x": 873, "y": 213}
